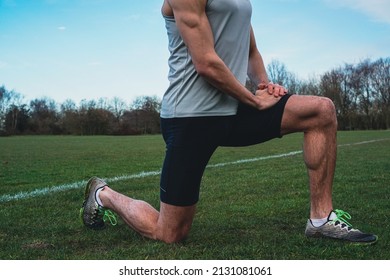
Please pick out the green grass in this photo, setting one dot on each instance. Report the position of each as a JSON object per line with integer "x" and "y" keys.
{"x": 255, "y": 210}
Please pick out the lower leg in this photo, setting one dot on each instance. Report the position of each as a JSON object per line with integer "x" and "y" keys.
{"x": 320, "y": 159}
{"x": 320, "y": 150}
{"x": 316, "y": 117}
{"x": 172, "y": 224}
{"x": 139, "y": 215}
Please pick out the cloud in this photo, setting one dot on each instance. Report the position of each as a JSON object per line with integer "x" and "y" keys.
{"x": 61, "y": 28}
{"x": 3, "y": 64}
{"x": 378, "y": 10}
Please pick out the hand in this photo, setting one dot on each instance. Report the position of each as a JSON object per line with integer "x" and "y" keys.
{"x": 269, "y": 94}
{"x": 273, "y": 89}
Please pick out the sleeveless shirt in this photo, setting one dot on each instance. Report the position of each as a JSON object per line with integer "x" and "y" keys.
{"x": 190, "y": 95}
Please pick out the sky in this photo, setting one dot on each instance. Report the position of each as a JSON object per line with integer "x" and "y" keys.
{"x": 92, "y": 49}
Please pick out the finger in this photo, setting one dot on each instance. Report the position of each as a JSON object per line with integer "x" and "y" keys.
{"x": 278, "y": 91}
{"x": 271, "y": 88}
{"x": 262, "y": 86}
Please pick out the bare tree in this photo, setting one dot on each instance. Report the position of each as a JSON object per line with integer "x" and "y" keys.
{"x": 146, "y": 114}
{"x": 44, "y": 116}
{"x": 69, "y": 118}
{"x": 118, "y": 106}
{"x": 277, "y": 73}
{"x": 17, "y": 120}
{"x": 335, "y": 85}
{"x": 309, "y": 87}
{"x": 8, "y": 101}
{"x": 360, "y": 85}
{"x": 380, "y": 77}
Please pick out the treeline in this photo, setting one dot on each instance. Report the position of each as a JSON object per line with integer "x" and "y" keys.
{"x": 102, "y": 117}
{"x": 360, "y": 92}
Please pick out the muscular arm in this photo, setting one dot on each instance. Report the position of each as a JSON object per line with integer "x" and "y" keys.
{"x": 194, "y": 27}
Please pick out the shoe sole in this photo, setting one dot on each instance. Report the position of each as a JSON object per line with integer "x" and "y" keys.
{"x": 350, "y": 242}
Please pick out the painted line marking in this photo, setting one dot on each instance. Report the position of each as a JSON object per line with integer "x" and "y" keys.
{"x": 79, "y": 184}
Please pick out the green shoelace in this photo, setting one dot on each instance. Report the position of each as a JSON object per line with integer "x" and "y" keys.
{"x": 342, "y": 217}
{"x": 108, "y": 215}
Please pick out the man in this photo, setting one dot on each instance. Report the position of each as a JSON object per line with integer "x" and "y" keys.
{"x": 213, "y": 50}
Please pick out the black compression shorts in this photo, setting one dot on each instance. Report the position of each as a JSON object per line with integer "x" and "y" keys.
{"x": 190, "y": 142}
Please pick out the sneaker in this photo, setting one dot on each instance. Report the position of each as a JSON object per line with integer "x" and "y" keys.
{"x": 340, "y": 228}
{"x": 92, "y": 214}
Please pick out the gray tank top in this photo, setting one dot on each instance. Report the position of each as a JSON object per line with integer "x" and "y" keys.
{"x": 188, "y": 94}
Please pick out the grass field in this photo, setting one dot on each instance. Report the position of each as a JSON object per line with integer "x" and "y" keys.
{"x": 254, "y": 201}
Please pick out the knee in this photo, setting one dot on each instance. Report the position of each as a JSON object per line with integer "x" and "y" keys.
{"x": 327, "y": 113}
{"x": 174, "y": 223}
{"x": 175, "y": 236}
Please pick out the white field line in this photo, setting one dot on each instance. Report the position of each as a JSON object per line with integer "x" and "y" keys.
{"x": 79, "y": 184}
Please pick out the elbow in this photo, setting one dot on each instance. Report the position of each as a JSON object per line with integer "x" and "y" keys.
{"x": 206, "y": 64}
{"x": 211, "y": 68}
{"x": 203, "y": 68}
{"x": 207, "y": 68}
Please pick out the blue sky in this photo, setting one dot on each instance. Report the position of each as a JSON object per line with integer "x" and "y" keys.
{"x": 91, "y": 49}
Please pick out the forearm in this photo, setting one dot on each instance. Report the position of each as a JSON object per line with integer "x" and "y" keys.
{"x": 219, "y": 75}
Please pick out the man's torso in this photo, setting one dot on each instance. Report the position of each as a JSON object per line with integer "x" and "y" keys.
{"x": 188, "y": 94}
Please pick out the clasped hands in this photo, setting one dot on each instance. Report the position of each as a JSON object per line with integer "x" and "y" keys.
{"x": 273, "y": 89}
{"x": 269, "y": 94}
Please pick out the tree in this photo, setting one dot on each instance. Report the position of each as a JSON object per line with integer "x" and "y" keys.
{"x": 380, "y": 77}
{"x": 278, "y": 74}
{"x": 8, "y": 99}
{"x": 44, "y": 116}
{"x": 69, "y": 118}
{"x": 95, "y": 120}
{"x": 145, "y": 115}
{"x": 309, "y": 87}
{"x": 118, "y": 106}
{"x": 360, "y": 85}
{"x": 361, "y": 94}
{"x": 16, "y": 120}
{"x": 336, "y": 86}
